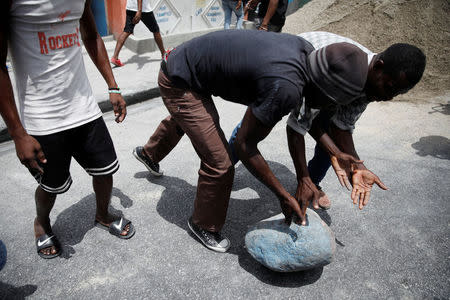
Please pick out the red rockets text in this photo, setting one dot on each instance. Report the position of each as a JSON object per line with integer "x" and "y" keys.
{"x": 58, "y": 41}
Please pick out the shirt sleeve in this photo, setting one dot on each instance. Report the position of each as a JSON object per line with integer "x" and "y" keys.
{"x": 346, "y": 115}
{"x": 275, "y": 100}
{"x": 301, "y": 117}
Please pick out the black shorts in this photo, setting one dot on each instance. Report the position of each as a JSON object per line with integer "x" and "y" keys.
{"x": 148, "y": 18}
{"x": 91, "y": 146}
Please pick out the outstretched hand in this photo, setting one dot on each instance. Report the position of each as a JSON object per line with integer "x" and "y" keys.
{"x": 363, "y": 181}
{"x": 30, "y": 153}
{"x": 342, "y": 165}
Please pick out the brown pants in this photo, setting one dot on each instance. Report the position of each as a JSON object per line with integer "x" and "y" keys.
{"x": 196, "y": 115}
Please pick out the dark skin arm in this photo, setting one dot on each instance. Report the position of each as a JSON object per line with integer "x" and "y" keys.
{"x": 253, "y": 131}
{"x": 28, "y": 149}
{"x": 138, "y": 15}
{"x": 306, "y": 189}
{"x": 96, "y": 49}
{"x": 273, "y": 5}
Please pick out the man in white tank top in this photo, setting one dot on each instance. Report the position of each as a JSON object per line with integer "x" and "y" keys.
{"x": 57, "y": 117}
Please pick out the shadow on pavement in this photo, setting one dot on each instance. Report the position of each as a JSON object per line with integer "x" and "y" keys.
{"x": 141, "y": 61}
{"x": 434, "y": 145}
{"x": 441, "y": 108}
{"x": 73, "y": 223}
{"x": 176, "y": 205}
{"x": 8, "y": 291}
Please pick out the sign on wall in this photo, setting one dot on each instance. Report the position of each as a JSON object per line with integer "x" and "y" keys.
{"x": 214, "y": 15}
{"x": 167, "y": 16}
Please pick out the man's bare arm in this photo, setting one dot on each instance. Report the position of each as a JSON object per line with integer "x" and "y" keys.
{"x": 253, "y": 131}
{"x": 271, "y": 9}
{"x": 28, "y": 149}
{"x": 97, "y": 51}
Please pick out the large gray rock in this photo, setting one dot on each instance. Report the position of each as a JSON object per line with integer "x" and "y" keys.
{"x": 292, "y": 248}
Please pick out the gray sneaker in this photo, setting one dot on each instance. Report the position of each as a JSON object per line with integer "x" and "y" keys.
{"x": 212, "y": 240}
{"x": 153, "y": 167}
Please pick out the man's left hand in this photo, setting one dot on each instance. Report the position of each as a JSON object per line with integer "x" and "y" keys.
{"x": 363, "y": 181}
{"x": 119, "y": 106}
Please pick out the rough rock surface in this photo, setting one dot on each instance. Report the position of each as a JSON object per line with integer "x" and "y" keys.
{"x": 292, "y": 248}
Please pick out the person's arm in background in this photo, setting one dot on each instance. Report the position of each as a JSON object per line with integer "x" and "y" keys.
{"x": 28, "y": 149}
{"x": 96, "y": 49}
{"x": 138, "y": 15}
{"x": 253, "y": 131}
{"x": 271, "y": 9}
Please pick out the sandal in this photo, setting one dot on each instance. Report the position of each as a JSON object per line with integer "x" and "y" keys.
{"x": 116, "y": 228}
{"x": 46, "y": 241}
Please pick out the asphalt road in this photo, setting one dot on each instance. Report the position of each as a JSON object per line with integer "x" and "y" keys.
{"x": 397, "y": 247}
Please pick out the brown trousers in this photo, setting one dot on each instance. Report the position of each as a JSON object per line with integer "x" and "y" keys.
{"x": 196, "y": 115}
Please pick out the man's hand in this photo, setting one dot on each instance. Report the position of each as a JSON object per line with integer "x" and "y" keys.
{"x": 30, "y": 153}
{"x": 289, "y": 207}
{"x": 238, "y": 5}
{"x": 363, "y": 181}
{"x": 342, "y": 164}
{"x": 306, "y": 192}
{"x": 119, "y": 106}
{"x": 137, "y": 17}
{"x": 251, "y": 5}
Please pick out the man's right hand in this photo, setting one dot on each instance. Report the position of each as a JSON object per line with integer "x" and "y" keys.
{"x": 137, "y": 17}
{"x": 30, "y": 153}
{"x": 306, "y": 192}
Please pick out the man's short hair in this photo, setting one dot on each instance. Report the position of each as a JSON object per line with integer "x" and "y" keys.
{"x": 404, "y": 58}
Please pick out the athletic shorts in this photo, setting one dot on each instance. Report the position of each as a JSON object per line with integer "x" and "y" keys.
{"x": 91, "y": 146}
{"x": 148, "y": 18}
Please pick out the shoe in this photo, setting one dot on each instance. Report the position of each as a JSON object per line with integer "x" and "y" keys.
{"x": 116, "y": 62}
{"x": 45, "y": 241}
{"x": 153, "y": 167}
{"x": 324, "y": 201}
{"x": 212, "y": 240}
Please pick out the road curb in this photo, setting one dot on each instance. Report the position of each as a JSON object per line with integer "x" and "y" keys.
{"x": 105, "y": 105}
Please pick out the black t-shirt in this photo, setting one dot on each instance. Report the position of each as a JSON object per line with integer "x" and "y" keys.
{"x": 279, "y": 17}
{"x": 264, "y": 70}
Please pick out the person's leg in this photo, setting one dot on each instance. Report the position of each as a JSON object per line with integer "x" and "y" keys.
{"x": 163, "y": 140}
{"x": 227, "y": 14}
{"x": 55, "y": 180}
{"x": 148, "y": 18}
{"x": 319, "y": 165}
{"x": 94, "y": 151}
{"x": 127, "y": 30}
{"x": 44, "y": 204}
{"x": 200, "y": 121}
{"x": 159, "y": 42}
{"x": 239, "y": 16}
{"x": 119, "y": 44}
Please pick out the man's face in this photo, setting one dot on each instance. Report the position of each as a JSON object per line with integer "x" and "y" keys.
{"x": 383, "y": 87}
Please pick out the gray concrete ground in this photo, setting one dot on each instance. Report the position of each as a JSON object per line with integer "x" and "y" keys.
{"x": 395, "y": 248}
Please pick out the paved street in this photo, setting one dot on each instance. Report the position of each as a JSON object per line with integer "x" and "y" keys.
{"x": 397, "y": 247}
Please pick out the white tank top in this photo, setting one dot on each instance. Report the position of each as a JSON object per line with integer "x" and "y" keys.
{"x": 54, "y": 93}
{"x": 132, "y": 5}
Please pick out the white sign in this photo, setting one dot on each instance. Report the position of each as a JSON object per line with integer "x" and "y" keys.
{"x": 167, "y": 16}
{"x": 214, "y": 15}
